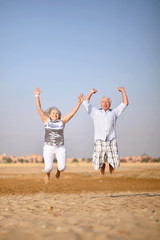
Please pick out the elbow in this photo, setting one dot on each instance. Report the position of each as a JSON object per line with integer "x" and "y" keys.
{"x": 126, "y": 103}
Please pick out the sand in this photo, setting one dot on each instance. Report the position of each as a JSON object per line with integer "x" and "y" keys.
{"x": 81, "y": 204}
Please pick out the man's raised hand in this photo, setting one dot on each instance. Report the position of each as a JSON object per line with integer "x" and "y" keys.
{"x": 121, "y": 89}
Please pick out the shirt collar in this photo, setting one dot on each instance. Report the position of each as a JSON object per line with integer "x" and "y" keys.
{"x": 109, "y": 110}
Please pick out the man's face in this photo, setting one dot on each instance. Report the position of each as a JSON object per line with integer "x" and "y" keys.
{"x": 105, "y": 104}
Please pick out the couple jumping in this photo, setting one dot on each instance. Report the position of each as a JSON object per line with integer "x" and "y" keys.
{"x": 105, "y": 140}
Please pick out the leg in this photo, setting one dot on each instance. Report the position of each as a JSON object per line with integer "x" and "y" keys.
{"x": 111, "y": 169}
{"x": 47, "y": 178}
{"x": 102, "y": 169}
{"x": 113, "y": 156}
{"x": 102, "y": 157}
{"x": 48, "y": 160}
{"x": 98, "y": 157}
{"x": 61, "y": 156}
{"x": 58, "y": 173}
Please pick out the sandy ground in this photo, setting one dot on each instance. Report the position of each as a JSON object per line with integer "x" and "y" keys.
{"x": 81, "y": 204}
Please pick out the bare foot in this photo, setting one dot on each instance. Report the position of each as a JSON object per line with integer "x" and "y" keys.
{"x": 102, "y": 170}
{"x": 111, "y": 169}
{"x": 57, "y": 174}
{"x": 47, "y": 178}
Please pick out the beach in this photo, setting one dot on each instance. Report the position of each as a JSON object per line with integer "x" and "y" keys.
{"x": 81, "y": 204}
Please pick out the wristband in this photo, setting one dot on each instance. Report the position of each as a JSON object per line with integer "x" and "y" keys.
{"x": 91, "y": 91}
{"x": 36, "y": 95}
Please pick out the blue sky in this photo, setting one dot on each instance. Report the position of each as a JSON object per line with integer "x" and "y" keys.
{"x": 68, "y": 47}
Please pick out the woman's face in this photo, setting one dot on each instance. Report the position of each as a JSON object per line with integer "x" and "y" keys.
{"x": 54, "y": 115}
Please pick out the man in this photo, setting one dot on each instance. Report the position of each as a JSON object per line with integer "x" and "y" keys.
{"x": 105, "y": 139}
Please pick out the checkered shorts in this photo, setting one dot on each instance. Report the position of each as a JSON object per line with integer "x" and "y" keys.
{"x": 104, "y": 149}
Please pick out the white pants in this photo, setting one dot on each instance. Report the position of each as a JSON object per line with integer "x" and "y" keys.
{"x": 49, "y": 153}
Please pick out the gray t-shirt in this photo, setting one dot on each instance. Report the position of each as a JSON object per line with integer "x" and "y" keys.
{"x": 54, "y": 133}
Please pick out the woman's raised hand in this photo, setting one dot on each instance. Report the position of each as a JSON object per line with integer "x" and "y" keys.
{"x": 80, "y": 98}
{"x": 93, "y": 90}
{"x": 36, "y": 91}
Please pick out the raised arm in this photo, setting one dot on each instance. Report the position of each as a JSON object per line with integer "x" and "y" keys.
{"x": 66, "y": 118}
{"x": 124, "y": 95}
{"x": 91, "y": 92}
{"x": 38, "y": 105}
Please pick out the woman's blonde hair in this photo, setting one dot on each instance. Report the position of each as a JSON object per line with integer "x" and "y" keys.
{"x": 49, "y": 110}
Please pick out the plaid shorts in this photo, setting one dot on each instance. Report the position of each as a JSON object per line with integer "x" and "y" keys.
{"x": 108, "y": 149}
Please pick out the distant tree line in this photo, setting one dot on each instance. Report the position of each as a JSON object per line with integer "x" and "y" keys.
{"x": 143, "y": 160}
{"x": 75, "y": 160}
{"x": 21, "y": 160}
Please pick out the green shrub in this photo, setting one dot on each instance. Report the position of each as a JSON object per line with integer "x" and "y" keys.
{"x": 89, "y": 160}
{"x": 74, "y": 160}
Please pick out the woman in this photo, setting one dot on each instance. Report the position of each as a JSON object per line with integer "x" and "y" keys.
{"x": 54, "y": 138}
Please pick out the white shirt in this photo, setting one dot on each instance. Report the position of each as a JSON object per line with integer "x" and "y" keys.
{"x": 104, "y": 122}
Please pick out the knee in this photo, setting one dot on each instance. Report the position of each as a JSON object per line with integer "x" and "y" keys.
{"x": 95, "y": 162}
{"x": 96, "y": 167}
{"x": 61, "y": 168}
{"x": 48, "y": 169}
